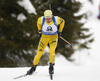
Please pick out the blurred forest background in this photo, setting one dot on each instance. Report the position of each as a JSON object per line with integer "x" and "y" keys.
{"x": 19, "y": 38}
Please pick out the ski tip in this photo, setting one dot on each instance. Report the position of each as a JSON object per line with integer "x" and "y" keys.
{"x": 20, "y": 76}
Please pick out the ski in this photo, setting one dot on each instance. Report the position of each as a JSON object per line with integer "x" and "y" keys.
{"x": 51, "y": 76}
{"x": 21, "y": 76}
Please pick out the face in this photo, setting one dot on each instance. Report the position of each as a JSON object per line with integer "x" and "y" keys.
{"x": 48, "y": 20}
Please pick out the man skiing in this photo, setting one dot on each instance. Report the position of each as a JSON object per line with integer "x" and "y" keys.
{"x": 50, "y": 28}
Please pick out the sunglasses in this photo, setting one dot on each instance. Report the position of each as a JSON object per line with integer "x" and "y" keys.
{"x": 48, "y": 18}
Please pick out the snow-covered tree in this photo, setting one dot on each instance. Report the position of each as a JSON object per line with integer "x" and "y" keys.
{"x": 17, "y": 33}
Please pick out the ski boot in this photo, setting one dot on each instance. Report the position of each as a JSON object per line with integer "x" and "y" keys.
{"x": 51, "y": 69}
{"x": 30, "y": 71}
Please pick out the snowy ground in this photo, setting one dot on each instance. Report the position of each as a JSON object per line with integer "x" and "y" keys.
{"x": 89, "y": 60}
{"x": 66, "y": 73}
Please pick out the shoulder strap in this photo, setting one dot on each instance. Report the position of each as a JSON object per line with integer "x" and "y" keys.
{"x": 54, "y": 20}
{"x": 43, "y": 21}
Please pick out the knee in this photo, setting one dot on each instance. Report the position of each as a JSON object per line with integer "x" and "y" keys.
{"x": 52, "y": 52}
{"x": 38, "y": 55}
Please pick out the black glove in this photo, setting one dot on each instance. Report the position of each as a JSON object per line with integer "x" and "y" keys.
{"x": 40, "y": 34}
{"x": 59, "y": 33}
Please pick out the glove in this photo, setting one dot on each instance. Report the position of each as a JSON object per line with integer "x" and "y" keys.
{"x": 59, "y": 33}
{"x": 40, "y": 34}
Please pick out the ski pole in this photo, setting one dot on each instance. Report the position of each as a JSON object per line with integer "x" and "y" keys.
{"x": 49, "y": 2}
{"x": 75, "y": 47}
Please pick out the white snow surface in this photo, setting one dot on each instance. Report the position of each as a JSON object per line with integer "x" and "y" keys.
{"x": 27, "y": 5}
{"x": 88, "y": 68}
{"x": 92, "y": 56}
{"x": 62, "y": 73}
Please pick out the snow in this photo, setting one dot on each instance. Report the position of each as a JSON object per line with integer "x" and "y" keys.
{"x": 86, "y": 66}
{"x": 65, "y": 73}
{"x": 21, "y": 17}
{"x": 27, "y": 5}
{"x": 92, "y": 56}
{"x": 61, "y": 61}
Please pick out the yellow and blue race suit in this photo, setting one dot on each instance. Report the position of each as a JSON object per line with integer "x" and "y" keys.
{"x": 49, "y": 36}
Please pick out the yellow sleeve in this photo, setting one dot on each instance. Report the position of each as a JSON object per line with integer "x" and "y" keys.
{"x": 39, "y": 25}
{"x": 62, "y": 23}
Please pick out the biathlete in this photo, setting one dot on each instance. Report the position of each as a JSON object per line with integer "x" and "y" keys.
{"x": 50, "y": 28}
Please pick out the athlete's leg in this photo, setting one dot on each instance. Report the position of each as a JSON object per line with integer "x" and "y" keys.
{"x": 53, "y": 45}
{"x": 42, "y": 44}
